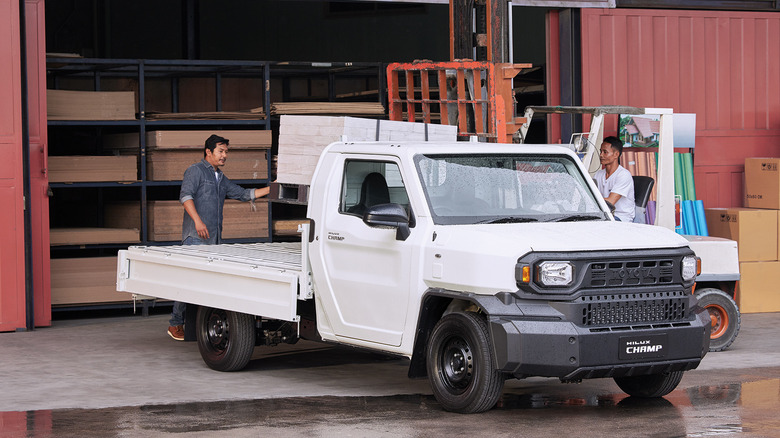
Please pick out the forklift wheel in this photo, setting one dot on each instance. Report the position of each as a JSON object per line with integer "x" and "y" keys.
{"x": 724, "y": 315}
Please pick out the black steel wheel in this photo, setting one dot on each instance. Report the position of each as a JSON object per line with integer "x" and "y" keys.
{"x": 225, "y": 339}
{"x": 649, "y": 386}
{"x": 724, "y": 316}
{"x": 461, "y": 368}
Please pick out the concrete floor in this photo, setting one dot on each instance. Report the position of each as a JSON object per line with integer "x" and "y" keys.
{"x": 131, "y": 361}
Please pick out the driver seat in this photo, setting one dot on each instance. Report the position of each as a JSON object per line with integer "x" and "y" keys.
{"x": 373, "y": 192}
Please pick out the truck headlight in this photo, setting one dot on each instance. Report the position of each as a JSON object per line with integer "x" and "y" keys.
{"x": 555, "y": 273}
{"x": 690, "y": 267}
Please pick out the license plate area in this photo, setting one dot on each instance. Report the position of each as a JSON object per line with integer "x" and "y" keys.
{"x": 643, "y": 346}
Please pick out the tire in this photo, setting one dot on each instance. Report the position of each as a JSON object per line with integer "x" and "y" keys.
{"x": 650, "y": 386}
{"x": 460, "y": 365}
{"x": 724, "y": 315}
{"x": 226, "y": 339}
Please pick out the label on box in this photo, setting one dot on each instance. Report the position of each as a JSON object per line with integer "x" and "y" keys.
{"x": 768, "y": 166}
{"x": 729, "y": 218}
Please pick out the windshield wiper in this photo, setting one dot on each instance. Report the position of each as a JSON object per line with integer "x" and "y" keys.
{"x": 578, "y": 218}
{"x": 509, "y": 220}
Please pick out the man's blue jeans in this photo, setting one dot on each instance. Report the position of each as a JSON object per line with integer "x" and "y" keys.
{"x": 177, "y": 314}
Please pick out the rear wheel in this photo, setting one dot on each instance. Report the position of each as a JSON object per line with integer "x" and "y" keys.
{"x": 225, "y": 339}
{"x": 460, "y": 365}
{"x": 724, "y": 316}
{"x": 653, "y": 385}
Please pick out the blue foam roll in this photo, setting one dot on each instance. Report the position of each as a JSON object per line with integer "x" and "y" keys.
{"x": 701, "y": 220}
{"x": 690, "y": 218}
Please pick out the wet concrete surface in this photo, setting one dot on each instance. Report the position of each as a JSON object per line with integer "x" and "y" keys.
{"x": 72, "y": 380}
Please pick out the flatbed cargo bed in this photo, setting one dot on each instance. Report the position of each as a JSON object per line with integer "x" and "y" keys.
{"x": 264, "y": 279}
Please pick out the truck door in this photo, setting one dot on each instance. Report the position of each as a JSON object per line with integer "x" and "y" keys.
{"x": 367, "y": 269}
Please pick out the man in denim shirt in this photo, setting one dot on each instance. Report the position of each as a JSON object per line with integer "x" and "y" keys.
{"x": 203, "y": 191}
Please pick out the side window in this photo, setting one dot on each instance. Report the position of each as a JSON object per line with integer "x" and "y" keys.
{"x": 369, "y": 183}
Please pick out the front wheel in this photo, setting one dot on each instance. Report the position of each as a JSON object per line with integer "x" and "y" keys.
{"x": 460, "y": 365}
{"x": 650, "y": 386}
{"x": 724, "y": 316}
{"x": 225, "y": 339}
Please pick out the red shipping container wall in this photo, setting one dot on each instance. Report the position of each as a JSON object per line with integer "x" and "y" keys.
{"x": 35, "y": 22}
{"x": 12, "y": 259}
{"x": 722, "y": 66}
{"x": 12, "y": 298}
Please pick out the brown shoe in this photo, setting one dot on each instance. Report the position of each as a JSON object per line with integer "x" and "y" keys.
{"x": 176, "y": 332}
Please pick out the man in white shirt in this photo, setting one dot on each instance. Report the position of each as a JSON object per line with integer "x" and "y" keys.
{"x": 614, "y": 181}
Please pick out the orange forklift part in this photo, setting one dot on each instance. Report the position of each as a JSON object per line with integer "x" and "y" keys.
{"x": 476, "y": 96}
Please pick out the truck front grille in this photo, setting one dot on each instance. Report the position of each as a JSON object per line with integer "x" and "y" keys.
{"x": 633, "y": 308}
{"x": 621, "y": 273}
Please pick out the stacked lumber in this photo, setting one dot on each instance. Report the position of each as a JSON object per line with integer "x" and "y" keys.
{"x": 90, "y": 105}
{"x": 93, "y": 236}
{"x": 165, "y": 219}
{"x": 85, "y": 280}
{"x": 329, "y": 108}
{"x": 169, "y": 153}
{"x": 303, "y": 138}
{"x": 83, "y": 168}
{"x": 254, "y": 114}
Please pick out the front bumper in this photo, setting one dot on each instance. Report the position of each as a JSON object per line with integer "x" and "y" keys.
{"x": 558, "y": 348}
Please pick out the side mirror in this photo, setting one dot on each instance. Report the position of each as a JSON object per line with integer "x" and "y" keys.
{"x": 389, "y": 216}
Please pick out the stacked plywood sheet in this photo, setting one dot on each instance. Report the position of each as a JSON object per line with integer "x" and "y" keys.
{"x": 303, "y": 138}
{"x": 329, "y": 108}
{"x": 169, "y": 153}
{"x": 83, "y": 168}
{"x": 90, "y": 105}
{"x": 85, "y": 280}
{"x": 165, "y": 219}
{"x": 93, "y": 236}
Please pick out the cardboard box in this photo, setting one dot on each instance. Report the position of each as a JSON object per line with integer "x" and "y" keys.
{"x": 756, "y": 231}
{"x": 165, "y": 219}
{"x": 762, "y": 183}
{"x": 82, "y": 168}
{"x": 92, "y": 236}
{"x": 87, "y": 280}
{"x": 757, "y": 289}
{"x": 90, "y": 105}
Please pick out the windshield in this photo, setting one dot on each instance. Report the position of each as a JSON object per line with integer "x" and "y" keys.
{"x": 470, "y": 189}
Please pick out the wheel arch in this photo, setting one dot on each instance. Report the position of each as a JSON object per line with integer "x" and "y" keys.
{"x": 434, "y": 305}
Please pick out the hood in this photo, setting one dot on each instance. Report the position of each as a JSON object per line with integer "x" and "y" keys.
{"x": 482, "y": 258}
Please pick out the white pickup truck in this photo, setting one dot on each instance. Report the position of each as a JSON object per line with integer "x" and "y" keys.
{"x": 477, "y": 261}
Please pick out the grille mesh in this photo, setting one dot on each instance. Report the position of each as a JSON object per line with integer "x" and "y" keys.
{"x": 633, "y": 308}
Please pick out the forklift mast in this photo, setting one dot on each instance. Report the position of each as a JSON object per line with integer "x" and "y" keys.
{"x": 474, "y": 90}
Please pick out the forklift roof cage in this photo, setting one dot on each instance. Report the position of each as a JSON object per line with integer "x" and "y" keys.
{"x": 477, "y": 96}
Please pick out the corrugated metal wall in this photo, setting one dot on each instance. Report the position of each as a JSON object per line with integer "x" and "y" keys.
{"x": 12, "y": 301}
{"x": 723, "y": 66}
{"x": 13, "y": 306}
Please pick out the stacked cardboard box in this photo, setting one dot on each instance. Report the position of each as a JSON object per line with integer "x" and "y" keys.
{"x": 756, "y": 229}
{"x": 756, "y": 234}
{"x": 90, "y": 105}
{"x": 83, "y": 168}
{"x": 165, "y": 219}
{"x": 85, "y": 280}
{"x": 303, "y": 138}
{"x": 169, "y": 153}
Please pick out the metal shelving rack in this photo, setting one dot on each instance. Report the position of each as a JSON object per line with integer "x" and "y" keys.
{"x": 142, "y": 70}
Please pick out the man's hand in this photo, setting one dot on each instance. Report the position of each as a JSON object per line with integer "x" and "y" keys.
{"x": 202, "y": 229}
{"x": 264, "y": 191}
